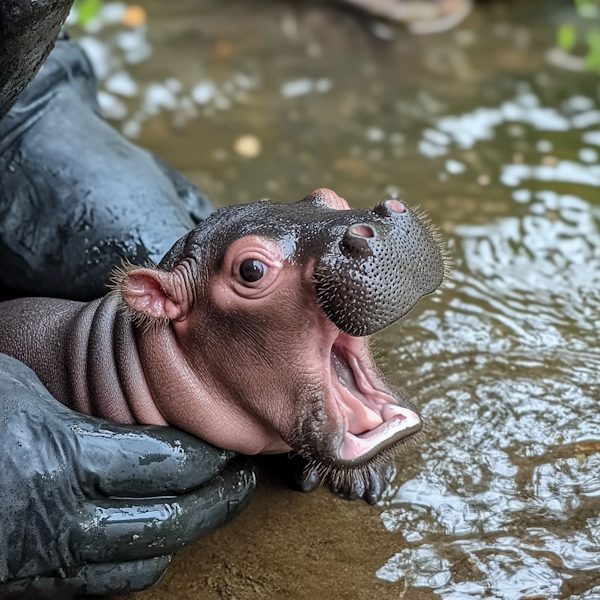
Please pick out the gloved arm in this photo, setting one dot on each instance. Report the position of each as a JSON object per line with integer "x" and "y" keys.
{"x": 89, "y": 507}
{"x": 64, "y": 169}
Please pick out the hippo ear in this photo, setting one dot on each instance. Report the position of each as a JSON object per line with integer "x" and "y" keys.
{"x": 153, "y": 293}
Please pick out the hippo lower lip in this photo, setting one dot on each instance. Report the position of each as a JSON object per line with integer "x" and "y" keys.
{"x": 372, "y": 418}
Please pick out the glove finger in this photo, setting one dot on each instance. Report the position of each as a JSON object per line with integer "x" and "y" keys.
{"x": 117, "y": 578}
{"x": 124, "y": 460}
{"x": 349, "y": 490}
{"x": 112, "y": 578}
{"x": 380, "y": 480}
{"x": 130, "y": 529}
{"x": 138, "y": 461}
{"x": 374, "y": 492}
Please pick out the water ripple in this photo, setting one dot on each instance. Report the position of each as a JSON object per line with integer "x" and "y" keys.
{"x": 503, "y": 498}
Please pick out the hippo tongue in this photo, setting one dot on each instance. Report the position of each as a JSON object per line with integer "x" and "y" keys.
{"x": 372, "y": 418}
{"x": 360, "y": 417}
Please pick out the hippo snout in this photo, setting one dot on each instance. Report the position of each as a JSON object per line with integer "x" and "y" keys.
{"x": 379, "y": 269}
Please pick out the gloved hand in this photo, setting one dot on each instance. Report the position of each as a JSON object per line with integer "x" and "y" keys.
{"x": 370, "y": 486}
{"x": 89, "y": 507}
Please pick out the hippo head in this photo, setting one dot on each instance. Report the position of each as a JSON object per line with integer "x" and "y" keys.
{"x": 270, "y": 306}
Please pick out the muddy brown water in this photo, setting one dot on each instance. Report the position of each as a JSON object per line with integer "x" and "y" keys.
{"x": 253, "y": 99}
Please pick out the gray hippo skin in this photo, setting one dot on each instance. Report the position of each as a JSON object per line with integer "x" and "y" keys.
{"x": 250, "y": 334}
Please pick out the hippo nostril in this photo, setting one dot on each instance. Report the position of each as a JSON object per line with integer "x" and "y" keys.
{"x": 389, "y": 207}
{"x": 395, "y": 206}
{"x": 356, "y": 240}
{"x": 365, "y": 231}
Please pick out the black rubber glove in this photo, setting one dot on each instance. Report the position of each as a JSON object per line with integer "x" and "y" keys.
{"x": 89, "y": 507}
{"x": 76, "y": 197}
{"x": 27, "y": 34}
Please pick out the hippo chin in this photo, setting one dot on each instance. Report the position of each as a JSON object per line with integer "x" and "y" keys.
{"x": 250, "y": 333}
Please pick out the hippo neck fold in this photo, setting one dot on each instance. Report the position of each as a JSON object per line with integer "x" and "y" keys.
{"x": 121, "y": 374}
{"x": 182, "y": 390}
{"x": 105, "y": 376}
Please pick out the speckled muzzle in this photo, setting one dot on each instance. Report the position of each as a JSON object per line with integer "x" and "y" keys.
{"x": 375, "y": 271}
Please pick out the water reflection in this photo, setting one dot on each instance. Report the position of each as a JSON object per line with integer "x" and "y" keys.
{"x": 504, "y": 503}
{"x": 116, "y": 44}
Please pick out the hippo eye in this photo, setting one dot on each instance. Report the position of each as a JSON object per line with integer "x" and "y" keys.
{"x": 252, "y": 270}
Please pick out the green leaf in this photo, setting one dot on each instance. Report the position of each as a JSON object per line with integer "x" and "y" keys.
{"x": 567, "y": 37}
{"x": 88, "y": 10}
{"x": 592, "y": 58}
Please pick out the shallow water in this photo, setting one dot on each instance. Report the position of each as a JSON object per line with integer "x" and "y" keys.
{"x": 501, "y": 149}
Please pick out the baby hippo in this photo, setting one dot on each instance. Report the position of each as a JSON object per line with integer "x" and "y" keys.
{"x": 252, "y": 333}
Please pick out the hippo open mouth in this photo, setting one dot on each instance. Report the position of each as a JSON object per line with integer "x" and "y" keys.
{"x": 372, "y": 418}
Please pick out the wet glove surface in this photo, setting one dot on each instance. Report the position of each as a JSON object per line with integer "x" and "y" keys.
{"x": 27, "y": 34}
{"x": 76, "y": 197}
{"x": 89, "y": 507}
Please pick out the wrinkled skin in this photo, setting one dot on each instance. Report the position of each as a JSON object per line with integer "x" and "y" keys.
{"x": 76, "y": 197}
{"x": 67, "y": 480}
{"x": 248, "y": 334}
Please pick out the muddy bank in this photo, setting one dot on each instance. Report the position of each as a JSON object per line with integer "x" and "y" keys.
{"x": 287, "y": 545}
